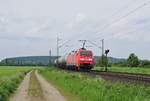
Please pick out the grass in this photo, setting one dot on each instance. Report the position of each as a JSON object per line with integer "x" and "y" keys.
{"x": 10, "y": 77}
{"x": 84, "y": 88}
{"x": 127, "y": 69}
{"x": 35, "y": 89}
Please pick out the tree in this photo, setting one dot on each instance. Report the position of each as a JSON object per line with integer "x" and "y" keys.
{"x": 132, "y": 60}
{"x": 144, "y": 63}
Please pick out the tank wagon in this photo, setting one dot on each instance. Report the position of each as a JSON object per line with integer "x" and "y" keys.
{"x": 79, "y": 59}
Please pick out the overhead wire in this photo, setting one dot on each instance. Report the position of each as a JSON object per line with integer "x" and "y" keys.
{"x": 126, "y": 15}
{"x": 94, "y": 44}
{"x": 134, "y": 31}
{"x": 117, "y": 20}
{"x": 112, "y": 16}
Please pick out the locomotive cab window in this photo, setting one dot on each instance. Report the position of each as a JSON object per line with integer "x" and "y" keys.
{"x": 85, "y": 54}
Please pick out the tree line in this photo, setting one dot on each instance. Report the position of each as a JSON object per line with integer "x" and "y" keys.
{"x": 14, "y": 62}
{"x": 133, "y": 61}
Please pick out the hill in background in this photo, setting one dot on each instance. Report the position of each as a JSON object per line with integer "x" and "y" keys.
{"x": 44, "y": 60}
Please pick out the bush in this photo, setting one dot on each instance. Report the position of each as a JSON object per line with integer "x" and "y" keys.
{"x": 132, "y": 60}
{"x": 8, "y": 85}
{"x": 144, "y": 63}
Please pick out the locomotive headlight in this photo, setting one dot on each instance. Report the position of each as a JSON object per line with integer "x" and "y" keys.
{"x": 90, "y": 59}
{"x": 82, "y": 59}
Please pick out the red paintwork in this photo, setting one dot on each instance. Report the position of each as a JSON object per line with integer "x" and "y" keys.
{"x": 75, "y": 59}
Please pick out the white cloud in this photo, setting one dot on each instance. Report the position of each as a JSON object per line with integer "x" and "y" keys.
{"x": 80, "y": 17}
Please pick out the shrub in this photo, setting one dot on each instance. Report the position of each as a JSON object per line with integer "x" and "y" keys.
{"x": 8, "y": 85}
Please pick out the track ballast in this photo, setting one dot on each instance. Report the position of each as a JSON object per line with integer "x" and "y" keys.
{"x": 119, "y": 76}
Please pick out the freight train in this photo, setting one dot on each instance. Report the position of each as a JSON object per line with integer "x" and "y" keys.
{"x": 79, "y": 59}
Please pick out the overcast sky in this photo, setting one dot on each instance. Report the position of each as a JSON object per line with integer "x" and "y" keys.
{"x": 30, "y": 27}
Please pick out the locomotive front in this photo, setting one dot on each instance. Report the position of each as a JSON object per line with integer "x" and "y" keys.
{"x": 86, "y": 60}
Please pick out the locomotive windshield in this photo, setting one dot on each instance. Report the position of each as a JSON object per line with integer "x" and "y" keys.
{"x": 85, "y": 53}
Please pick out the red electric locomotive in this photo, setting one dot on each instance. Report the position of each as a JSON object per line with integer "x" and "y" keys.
{"x": 80, "y": 59}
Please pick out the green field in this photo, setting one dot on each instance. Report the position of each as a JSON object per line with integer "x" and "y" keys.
{"x": 10, "y": 77}
{"x": 79, "y": 87}
{"x": 127, "y": 69}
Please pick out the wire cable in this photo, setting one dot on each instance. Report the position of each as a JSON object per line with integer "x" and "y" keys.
{"x": 126, "y": 15}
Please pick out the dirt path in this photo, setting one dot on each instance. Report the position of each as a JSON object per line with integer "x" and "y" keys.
{"x": 35, "y": 88}
{"x": 22, "y": 92}
{"x": 50, "y": 93}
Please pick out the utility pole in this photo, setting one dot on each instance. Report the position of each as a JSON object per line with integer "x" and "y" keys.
{"x": 50, "y": 54}
{"x": 58, "y": 47}
{"x": 103, "y": 56}
{"x": 102, "y": 47}
{"x": 83, "y": 41}
{"x": 102, "y": 50}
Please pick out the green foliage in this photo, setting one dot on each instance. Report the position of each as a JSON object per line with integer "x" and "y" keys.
{"x": 120, "y": 64}
{"x": 8, "y": 86}
{"x": 128, "y": 69}
{"x": 28, "y": 61}
{"x": 103, "y": 61}
{"x": 132, "y": 60}
{"x": 144, "y": 63}
{"x": 95, "y": 89}
{"x": 10, "y": 77}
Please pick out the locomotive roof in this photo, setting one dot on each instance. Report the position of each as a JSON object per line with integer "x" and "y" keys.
{"x": 81, "y": 49}
{"x": 84, "y": 49}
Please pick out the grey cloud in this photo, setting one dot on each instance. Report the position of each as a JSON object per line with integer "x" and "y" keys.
{"x": 36, "y": 24}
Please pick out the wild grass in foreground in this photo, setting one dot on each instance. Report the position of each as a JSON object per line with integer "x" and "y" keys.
{"x": 86, "y": 88}
{"x": 10, "y": 77}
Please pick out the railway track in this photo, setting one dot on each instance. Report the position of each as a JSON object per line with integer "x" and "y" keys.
{"x": 123, "y": 76}
{"x": 120, "y": 76}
